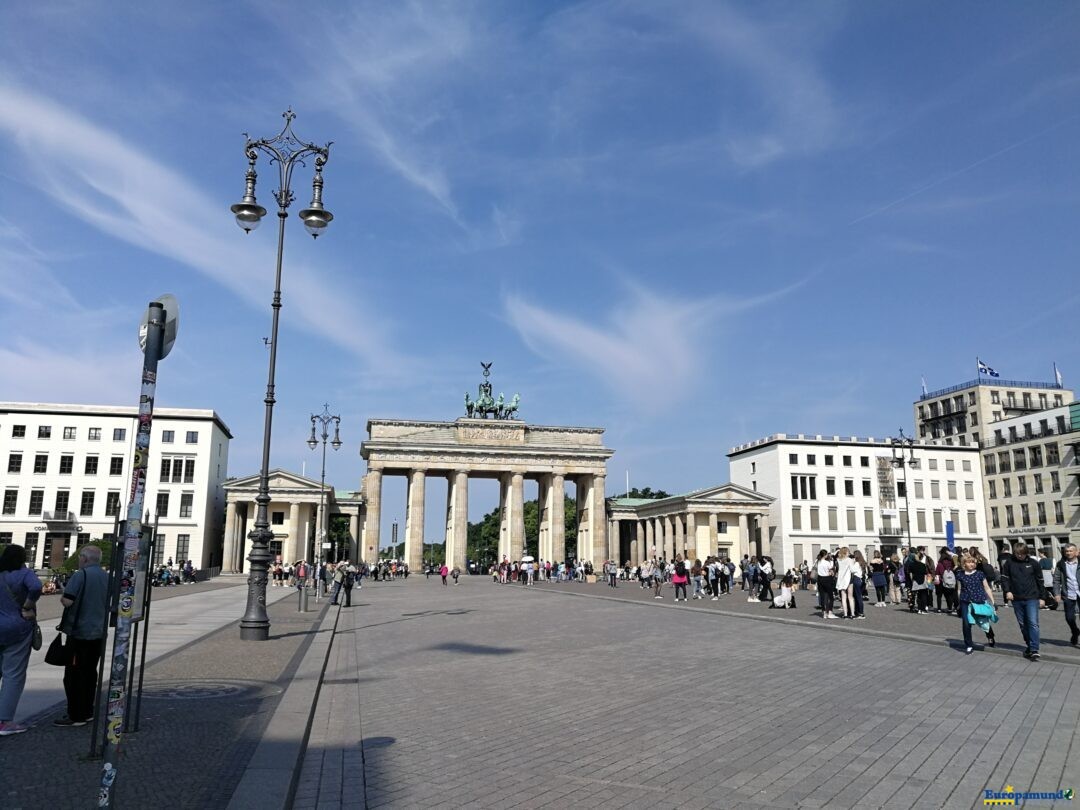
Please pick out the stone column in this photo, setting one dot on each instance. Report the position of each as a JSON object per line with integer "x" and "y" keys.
{"x": 598, "y": 522}
{"x": 669, "y": 538}
{"x": 700, "y": 544}
{"x": 614, "y": 536}
{"x": 517, "y": 515}
{"x": 744, "y": 537}
{"x": 414, "y": 522}
{"x": 228, "y": 552}
{"x": 504, "y": 517}
{"x": 373, "y": 494}
{"x": 636, "y": 542}
{"x": 356, "y": 551}
{"x": 558, "y": 518}
{"x": 543, "y": 517}
{"x": 581, "y": 502}
{"x": 680, "y": 535}
{"x": 457, "y": 538}
{"x": 766, "y": 543}
{"x": 291, "y": 551}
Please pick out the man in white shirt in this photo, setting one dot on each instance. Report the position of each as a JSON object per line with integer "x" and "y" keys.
{"x": 1067, "y": 589}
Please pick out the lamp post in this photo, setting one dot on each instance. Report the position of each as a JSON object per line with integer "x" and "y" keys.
{"x": 901, "y": 445}
{"x": 325, "y": 419}
{"x": 287, "y": 151}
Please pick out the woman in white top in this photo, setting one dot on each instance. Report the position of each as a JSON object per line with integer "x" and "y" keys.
{"x": 845, "y": 567}
{"x": 826, "y": 583}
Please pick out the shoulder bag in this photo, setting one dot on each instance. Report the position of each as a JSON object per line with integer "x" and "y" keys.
{"x": 61, "y": 653}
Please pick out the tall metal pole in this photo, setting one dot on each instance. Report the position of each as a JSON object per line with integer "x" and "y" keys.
{"x": 155, "y": 339}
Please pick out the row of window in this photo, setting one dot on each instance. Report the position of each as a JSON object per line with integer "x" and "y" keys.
{"x": 67, "y": 464}
{"x": 94, "y": 434}
{"x": 87, "y": 500}
{"x": 1025, "y": 515}
{"x": 30, "y": 543}
{"x": 832, "y": 515}
{"x": 1020, "y": 458}
{"x": 1021, "y": 485}
{"x": 804, "y": 488}
{"x": 864, "y": 461}
{"x": 1028, "y": 431}
{"x": 955, "y": 404}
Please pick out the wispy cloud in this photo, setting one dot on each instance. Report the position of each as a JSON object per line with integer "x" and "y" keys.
{"x": 118, "y": 189}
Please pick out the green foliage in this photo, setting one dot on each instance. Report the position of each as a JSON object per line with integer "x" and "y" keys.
{"x": 647, "y": 493}
{"x": 483, "y": 538}
{"x": 71, "y": 564}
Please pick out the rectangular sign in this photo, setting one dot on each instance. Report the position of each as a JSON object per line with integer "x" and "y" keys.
{"x": 950, "y": 538}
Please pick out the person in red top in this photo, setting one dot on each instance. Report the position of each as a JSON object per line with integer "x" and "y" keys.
{"x": 443, "y": 572}
{"x": 680, "y": 577}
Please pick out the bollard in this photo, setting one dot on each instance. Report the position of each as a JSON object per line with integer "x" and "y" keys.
{"x": 303, "y": 599}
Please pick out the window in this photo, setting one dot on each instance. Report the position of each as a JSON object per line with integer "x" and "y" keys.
{"x": 721, "y": 527}
{"x": 974, "y": 418}
{"x": 815, "y": 519}
{"x": 1055, "y": 482}
{"x": 1027, "y": 400}
{"x": 753, "y": 485}
{"x": 162, "y": 505}
{"x": 995, "y": 518}
{"x": 950, "y": 488}
{"x": 14, "y": 463}
{"x": 1021, "y": 485}
{"x": 938, "y": 526}
{"x": 18, "y": 431}
{"x": 1041, "y": 508}
{"x": 864, "y": 461}
{"x": 94, "y": 434}
{"x": 1006, "y": 488}
{"x": 41, "y": 463}
{"x": 30, "y": 542}
{"x": 866, "y": 486}
{"x": 969, "y": 491}
{"x": 63, "y": 501}
{"x": 37, "y": 502}
{"x": 44, "y": 432}
{"x": 1025, "y": 515}
{"x": 989, "y": 464}
{"x": 868, "y": 519}
{"x": 166, "y": 465}
{"x": 933, "y": 463}
{"x": 11, "y": 500}
{"x": 793, "y": 458}
{"x": 1010, "y": 399}
{"x": 6, "y": 539}
{"x": 935, "y": 490}
{"x": 277, "y": 518}
{"x": 901, "y": 489}
{"x": 1012, "y": 433}
{"x": 91, "y": 465}
{"x": 919, "y": 490}
{"x": 1042, "y": 402}
{"x": 159, "y": 550}
{"x": 112, "y": 504}
{"x": 67, "y": 464}
{"x": 69, "y": 433}
{"x": 119, "y": 434}
{"x": 116, "y": 465}
{"x": 86, "y": 505}
{"x": 167, "y": 436}
{"x": 991, "y": 488}
{"x": 1059, "y": 513}
{"x": 847, "y": 461}
{"x": 753, "y": 466}
{"x": 904, "y": 522}
{"x": 849, "y": 486}
{"x": 1057, "y": 400}
{"x": 830, "y": 486}
{"x": 1010, "y": 520}
{"x": 828, "y": 461}
{"x": 803, "y": 487}
{"x": 851, "y": 520}
{"x": 920, "y": 521}
{"x": 183, "y": 543}
{"x": 973, "y": 522}
{"x": 1004, "y": 461}
{"x": 189, "y": 471}
{"x": 811, "y": 459}
{"x": 1038, "y": 479}
{"x": 186, "y": 501}
{"x": 192, "y": 437}
{"x": 1052, "y": 455}
{"x": 833, "y": 519}
{"x": 796, "y": 518}
{"x": 1060, "y": 424}
{"x": 1019, "y": 459}
{"x": 950, "y": 465}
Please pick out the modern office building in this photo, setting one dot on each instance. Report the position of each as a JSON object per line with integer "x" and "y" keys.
{"x": 65, "y": 474}
{"x": 833, "y": 491}
{"x": 1031, "y": 473}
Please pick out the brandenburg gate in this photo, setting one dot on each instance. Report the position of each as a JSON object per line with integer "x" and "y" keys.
{"x": 501, "y": 448}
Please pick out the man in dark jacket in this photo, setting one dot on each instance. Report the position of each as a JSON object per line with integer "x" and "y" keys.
{"x": 1022, "y": 583}
{"x": 1067, "y": 589}
{"x": 86, "y": 621}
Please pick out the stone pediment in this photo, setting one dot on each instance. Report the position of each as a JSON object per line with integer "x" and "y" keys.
{"x": 279, "y": 480}
{"x": 728, "y": 493}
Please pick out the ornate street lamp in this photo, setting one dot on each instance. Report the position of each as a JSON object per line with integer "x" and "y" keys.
{"x": 900, "y": 445}
{"x": 325, "y": 419}
{"x": 287, "y": 151}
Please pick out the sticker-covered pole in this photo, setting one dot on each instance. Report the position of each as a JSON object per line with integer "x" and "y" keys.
{"x": 114, "y": 713}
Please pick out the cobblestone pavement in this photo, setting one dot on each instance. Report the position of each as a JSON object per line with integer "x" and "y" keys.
{"x": 485, "y": 696}
{"x": 203, "y": 710}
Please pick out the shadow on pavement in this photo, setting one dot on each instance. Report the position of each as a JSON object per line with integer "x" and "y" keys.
{"x": 473, "y": 649}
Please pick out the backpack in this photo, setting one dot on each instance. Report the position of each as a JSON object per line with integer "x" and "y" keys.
{"x": 680, "y": 568}
{"x": 948, "y": 578}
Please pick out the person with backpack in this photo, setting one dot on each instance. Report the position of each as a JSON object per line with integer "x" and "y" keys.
{"x": 945, "y": 574}
{"x": 679, "y": 577}
{"x": 339, "y": 582}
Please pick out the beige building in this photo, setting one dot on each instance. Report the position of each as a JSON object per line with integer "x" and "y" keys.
{"x": 294, "y": 519}
{"x": 66, "y": 476}
{"x": 726, "y": 521}
{"x": 1031, "y": 473}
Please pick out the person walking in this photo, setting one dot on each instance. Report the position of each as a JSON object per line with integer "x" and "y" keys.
{"x": 1067, "y": 589}
{"x": 826, "y": 583}
{"x": 1021, "y": 580}
{"x": 444, "y": 572}
{"x": 339, "y": 582}
{"x": 611, "y": 568}
{"x": 945, "y": 577}
{"x": 455, "y": 573}
{"x": 679, "y": 577}
{"x": 86, "y": 622}
{"x": 696, "y": 573}
{"x": 348, "y": 581}
{"x": 973, "y": 589}
{"x": 19, "y": 592}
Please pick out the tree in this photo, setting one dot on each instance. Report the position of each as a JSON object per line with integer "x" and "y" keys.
{"x": 483, "y": 538}
{"x": 647, "y": 493}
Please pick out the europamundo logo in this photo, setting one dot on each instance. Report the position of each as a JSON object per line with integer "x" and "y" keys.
{"x": 1011, "y": 797}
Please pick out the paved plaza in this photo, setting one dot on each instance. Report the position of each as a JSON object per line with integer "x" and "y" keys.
{"x": 485, "y": 695}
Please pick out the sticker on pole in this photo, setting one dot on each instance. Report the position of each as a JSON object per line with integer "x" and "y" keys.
{"x": 172, "y": 323}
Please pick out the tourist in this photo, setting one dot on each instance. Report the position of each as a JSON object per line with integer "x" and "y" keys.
{"x": 786, "y": 598}
{"x": 766, "y": 574}
{"x": 945, "y": 576}
{"x": 972, "y": 589}
{"x": 19, "y": 592}
{"x": 844, "y": 569}
{"x": 455, "y": 573}
{"x": 612, "y": 571}
{"x": 804, "y": 575}
{"x": 985, "y": 566}
{"x": 893, "y": 570}
{"x": 858, "y": 583}
{"x": 695, "y": 574}
{"x": 918, "y": 574}
{"x": 348, "y": 581}
{"x": 744, "y": 563}
{"x": 679, "y": 577}
{"x": 444, "y": 572}
{"x": 85, "y": 621}
{"x": 1047, "y": 568}
{"x": 1066, "y": 590}
{"x": 751, "y": 575}
{"x": 879, "y": 578}
{"x": 715, "y": 577}
{"x": 826, "y": 583}
{"x": 1021, "y": 579}
{"x": 339, "y": 582}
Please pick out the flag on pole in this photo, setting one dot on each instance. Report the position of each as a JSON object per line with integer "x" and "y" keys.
{"x": 924, "y": 386}
{"x": 1057, "y": 374}
{"x": 985, "y": 369}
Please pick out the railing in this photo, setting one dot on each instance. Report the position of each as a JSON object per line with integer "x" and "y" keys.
{"x": 994, "y": 381}
{"x": 58, "y": 517}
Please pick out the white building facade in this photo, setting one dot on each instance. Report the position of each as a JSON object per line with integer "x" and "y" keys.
{"x": 833, "y": 491}
{"x": 65, "y": 474}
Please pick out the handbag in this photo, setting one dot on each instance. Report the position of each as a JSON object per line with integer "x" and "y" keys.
{"x": 61, "y": 653}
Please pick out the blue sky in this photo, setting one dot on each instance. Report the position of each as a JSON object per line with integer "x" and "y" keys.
{"x": 692, "y": 224}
